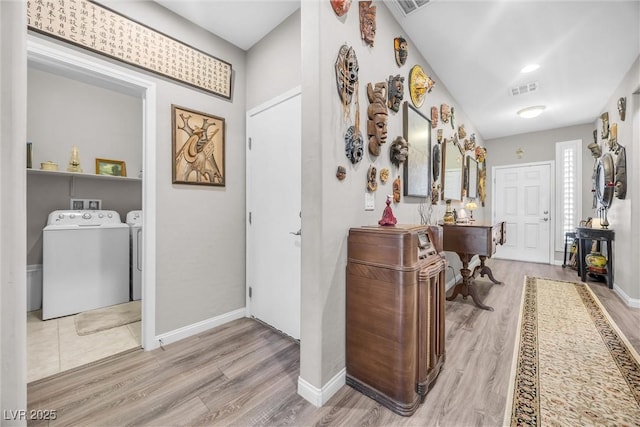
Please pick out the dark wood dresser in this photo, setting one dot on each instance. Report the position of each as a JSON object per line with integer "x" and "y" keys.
{"x": 395, "y": 313}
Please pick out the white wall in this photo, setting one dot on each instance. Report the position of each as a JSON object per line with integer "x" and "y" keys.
{"x": 624, "y": 213}
{"x": 273, "y": 64}
{"x": 13, "y": 276}
{"x": 200, "y": 258}
{"x": 330, "y": 207}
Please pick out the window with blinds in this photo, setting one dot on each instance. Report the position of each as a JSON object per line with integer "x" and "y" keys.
{"x": 569, "y": 189}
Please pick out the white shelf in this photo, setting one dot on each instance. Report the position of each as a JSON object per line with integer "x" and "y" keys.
{"x": 81, "y": 175}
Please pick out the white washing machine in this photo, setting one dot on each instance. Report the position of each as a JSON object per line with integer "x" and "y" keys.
{"x": 85, "y": 262}
{"x": 134, "y": 220}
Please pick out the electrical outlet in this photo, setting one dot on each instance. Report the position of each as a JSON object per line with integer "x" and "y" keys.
{"x": 369, "y": 201}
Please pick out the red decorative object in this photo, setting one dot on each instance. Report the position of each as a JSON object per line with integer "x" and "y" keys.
{"x": 387, "y": 215}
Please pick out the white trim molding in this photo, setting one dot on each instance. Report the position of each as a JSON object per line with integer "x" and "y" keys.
{"x": 631, "y": 302}
{"x": 198, "y": 327}
{"x": 319, "y": 396}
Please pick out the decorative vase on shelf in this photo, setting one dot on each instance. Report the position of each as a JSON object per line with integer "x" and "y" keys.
{"x": 449, "y": 216}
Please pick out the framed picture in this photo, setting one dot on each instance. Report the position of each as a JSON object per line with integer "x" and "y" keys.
{"x": 111, "y": 167}
{"x": 197, "y": 147}
{"x": 417, "y": 132}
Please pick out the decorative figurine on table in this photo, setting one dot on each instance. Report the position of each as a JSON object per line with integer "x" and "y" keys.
{"x": 387, "y": 214}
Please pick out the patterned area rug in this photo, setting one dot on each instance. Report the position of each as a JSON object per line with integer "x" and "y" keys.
{"x": 101, "y": 319}
{"x": 572, "y": 365}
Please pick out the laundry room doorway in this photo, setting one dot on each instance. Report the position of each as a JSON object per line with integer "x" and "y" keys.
{"x": 74, "y": 340}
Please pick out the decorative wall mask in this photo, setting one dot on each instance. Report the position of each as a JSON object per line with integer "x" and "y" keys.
{"x": 396, "y": 92}
{"x": 401, "y": 48}
{"x": 397, "y": 184}
{"x": 377, "y": 114}
{"x": 622, "y": 107}
{"x": 372, "y": 182}
{"x": 613, "y": 137}
{"x": 453, "y": 118}
{"x": 620, "y": 186}
{"x": 439, "y": 136}
{"x": 481, "y": 154}
{"x": 434, "y": 117}
{"x": 469, "y": 144}
{"x": 341, "y": 173}
{"x": 605, "y": 125}
{"x": 436, "y": 162}
{"x": 384, "y": 175}
{"x": 419, "y": 85}
{"x": 596, "y": 151}
{"x": 473, "y": 139}
{"x": 367, "y": 22}
{"x": 354, "y": 145}
{"x": 346, "y": 74}
{"x": 445, "y": 113}
{"x": 340, "y": 7}
{"x": 435, "y": 193}
{"x": 462, "y": 134}
{"x": 399, "y": 151}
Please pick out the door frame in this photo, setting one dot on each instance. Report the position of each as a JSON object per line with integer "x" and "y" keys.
{"x": 552, "y": 198}
{"x": 56, "y": 57}
{"x": 250, "y": 113}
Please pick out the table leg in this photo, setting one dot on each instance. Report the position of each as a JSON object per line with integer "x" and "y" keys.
{"x": 581, "y": 262}
{"x": 609, "y": 264}
{"x": 467, "y": 287}
{"x": 483, "y": 269}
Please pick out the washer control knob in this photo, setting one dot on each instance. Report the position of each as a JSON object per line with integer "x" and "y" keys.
{"x": 86, "y": 215}
{"x": 72, "y": 216}
{"x": 60, "y": 216}
{"x": 109, "y": 215}
{"x": 101, "y": 215}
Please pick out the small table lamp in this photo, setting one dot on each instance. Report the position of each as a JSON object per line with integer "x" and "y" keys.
{"x": 471, "y": 205}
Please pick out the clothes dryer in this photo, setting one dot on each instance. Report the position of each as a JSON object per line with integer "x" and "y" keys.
{"x": 85, "y": 262}
{"x": 134, "y": 220}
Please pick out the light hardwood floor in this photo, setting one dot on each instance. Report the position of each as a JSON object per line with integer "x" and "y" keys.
{"x": 245, "y": 374}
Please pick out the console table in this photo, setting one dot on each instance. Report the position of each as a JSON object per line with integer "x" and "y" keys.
{"x": 468, "y": 240}
{"x": 585, "y": 235}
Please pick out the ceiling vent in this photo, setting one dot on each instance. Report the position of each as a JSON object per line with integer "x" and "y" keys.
{"x": 410, "y": 6}
{"x": 525, "y": 88}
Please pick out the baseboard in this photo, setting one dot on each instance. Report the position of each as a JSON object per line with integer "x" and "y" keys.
{"x": 196, "y": 328}
{"x": 631, "y": 302}
{"x": 319, "y": 396}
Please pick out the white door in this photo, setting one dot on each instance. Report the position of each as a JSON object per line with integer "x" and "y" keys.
{"x": 522, "y": 200}
{"x": 273, "y": 213}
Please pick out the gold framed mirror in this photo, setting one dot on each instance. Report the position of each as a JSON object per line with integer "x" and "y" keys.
{"x": 452, "y": 170}
{"x": 471, "y": 178}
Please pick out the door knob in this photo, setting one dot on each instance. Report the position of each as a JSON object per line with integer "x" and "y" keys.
{"x": 296, "y": 233}
{"x": 546, "y": 219}
{"x": 546, "y": 212}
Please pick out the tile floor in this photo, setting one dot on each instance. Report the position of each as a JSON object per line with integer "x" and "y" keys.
{"x": 54, "y": 346}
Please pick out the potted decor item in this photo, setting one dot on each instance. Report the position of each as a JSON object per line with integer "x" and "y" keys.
{"x": 449, "y": 216}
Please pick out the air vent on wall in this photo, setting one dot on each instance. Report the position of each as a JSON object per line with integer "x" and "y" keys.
{"x": 524, "y": 88}
{"x": 409, "y": 6}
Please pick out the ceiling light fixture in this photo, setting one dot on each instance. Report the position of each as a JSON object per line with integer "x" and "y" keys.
{"x": 529, "y": 68}
{"x": 531, "y": 112}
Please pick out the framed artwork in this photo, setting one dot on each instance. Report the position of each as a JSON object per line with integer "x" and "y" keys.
{"x": 197, "y": 147}
{"x": 111, "y": 167}
{"x": 417, "y": 133}
{"x": 91, "y": 26}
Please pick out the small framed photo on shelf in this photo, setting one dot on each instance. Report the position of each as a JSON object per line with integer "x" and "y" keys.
{"x": 111, "y": 167}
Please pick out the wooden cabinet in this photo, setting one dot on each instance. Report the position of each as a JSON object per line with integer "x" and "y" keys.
{"x": 395, "y": 313}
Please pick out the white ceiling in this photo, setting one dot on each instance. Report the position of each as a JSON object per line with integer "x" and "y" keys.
{"x": 478, "y": 47}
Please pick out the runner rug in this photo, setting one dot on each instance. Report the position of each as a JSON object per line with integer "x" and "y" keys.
{"x": 572, "y": 365}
